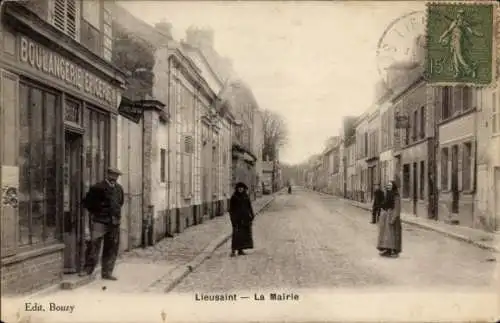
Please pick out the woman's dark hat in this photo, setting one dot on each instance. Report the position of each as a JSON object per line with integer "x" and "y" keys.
{"x": 241, "y": 184}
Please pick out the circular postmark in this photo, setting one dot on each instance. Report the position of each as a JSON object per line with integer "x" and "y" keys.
{"x": 402, "y": 43}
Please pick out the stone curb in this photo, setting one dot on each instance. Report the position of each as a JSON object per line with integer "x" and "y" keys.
{"x": 180, "y": 273}
{"x": 454, "y": 235}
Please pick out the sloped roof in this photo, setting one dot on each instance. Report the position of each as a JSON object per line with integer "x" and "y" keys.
{"x": 137, "y": 26}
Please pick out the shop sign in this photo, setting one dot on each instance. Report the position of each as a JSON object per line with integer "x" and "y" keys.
{"x": 131, "y": 110}
{"x": 54, "y": 65}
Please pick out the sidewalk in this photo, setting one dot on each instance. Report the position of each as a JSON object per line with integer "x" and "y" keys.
{"x": 170, "y": 260}
{"x": 479, "y": 238}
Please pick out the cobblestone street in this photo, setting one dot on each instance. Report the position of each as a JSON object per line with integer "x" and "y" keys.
{"x": 307, "y": 240}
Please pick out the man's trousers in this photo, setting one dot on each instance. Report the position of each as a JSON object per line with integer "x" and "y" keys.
{"x": 110, "y": 245}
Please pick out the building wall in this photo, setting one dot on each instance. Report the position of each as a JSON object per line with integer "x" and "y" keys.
{"x": 30, "y": 260}
{"x": 175, "y": 81}
{"x": 457, "y": 131}
{"x": 487, "y": 198}
{"x": 361, "y": 166}
{"x": 258, "y": 146}
{"x": 130, "y": 163}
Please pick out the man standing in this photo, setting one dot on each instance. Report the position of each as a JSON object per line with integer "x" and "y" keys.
{"x": 104, "y": 201}
{"x": 378, "y": 200}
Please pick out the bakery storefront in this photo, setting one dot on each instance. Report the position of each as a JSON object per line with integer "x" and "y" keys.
{"x": 58, "y": 126}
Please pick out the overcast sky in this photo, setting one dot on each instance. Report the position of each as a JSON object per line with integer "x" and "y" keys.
{"x": 311, "y": 62}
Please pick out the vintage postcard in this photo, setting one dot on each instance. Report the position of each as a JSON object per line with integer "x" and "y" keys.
{"x": 249, "y": 161}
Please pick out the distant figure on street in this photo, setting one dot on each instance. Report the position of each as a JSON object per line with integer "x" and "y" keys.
{"x": 289, "y": 188}
{"x": 390, "y": 232}
{"x": 242, "y": 215}
{"x": 378, "y": 201}
{"x": 104, "y": 201}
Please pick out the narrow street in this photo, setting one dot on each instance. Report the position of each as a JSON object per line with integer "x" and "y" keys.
{"x": 307, "y": 240}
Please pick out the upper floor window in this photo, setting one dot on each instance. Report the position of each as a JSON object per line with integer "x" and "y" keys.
{"x": 446, "y": 103}
{"x": 65, "y": 16}
{"x": 91, "y": 12}
{"x": 455, "y": 100}
{"x": 366, "y": 145}
{"x": 422, "y": 122}
{"x": 163, "y": 159}
{"x": 415, "y": 125}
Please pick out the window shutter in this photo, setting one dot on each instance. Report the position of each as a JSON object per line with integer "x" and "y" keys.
{"x": 59, "y": 14}
{"x": 71, "y": 18}
{"x": 188, "y": 144}
{"x": 66, "y": 17}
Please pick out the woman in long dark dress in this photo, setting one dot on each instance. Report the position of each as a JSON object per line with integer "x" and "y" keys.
{"x": 241, "y": 213}
{"x": 390, "y": 231}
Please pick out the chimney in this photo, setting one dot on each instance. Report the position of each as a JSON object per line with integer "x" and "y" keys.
{"x": 201, "y": 38}
{"x": 165, "y": 28}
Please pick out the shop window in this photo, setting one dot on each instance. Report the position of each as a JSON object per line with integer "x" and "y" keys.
{"x": 65, "y": 16}
{"x": 467, "y": 167}
{"x": 96, "y": 136}
{"x": 444, "y": 169}
{"x": 37, "y": 166}
{"x": 406, "y": 180}
{"x": 423, "y": 176}
{"x": 163, "y": 159}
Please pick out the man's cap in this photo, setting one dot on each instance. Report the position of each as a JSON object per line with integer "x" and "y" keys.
{"x": 113, "y": 170}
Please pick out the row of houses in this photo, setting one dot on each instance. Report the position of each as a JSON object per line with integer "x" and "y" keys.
{"x": 85, "y": 85}
{"x": 440, "y": 144}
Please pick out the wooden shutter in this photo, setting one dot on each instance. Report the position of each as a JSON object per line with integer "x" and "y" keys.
{"x": 9, "y": 109}
{"x": 66, "y": 17}
{"x": 71, "y": 18}
{"x": 59, "y": 15}
{"x": 187, "y": 165}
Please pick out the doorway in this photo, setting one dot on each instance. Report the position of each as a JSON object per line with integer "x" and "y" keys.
{"x": 454, "y": 179}
{"x": 497, "y": 198}
{"x": 415, "y": 188}
{"x": 72, "y": 191}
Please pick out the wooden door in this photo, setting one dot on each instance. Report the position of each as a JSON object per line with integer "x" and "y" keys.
{"x": 72, "y": 193}
{"x": 454, "y": 179}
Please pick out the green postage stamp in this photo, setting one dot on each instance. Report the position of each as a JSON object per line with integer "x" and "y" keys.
{"x": 460, "y": 43}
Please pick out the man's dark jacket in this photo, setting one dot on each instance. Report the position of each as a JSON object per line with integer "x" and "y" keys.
{"x": 378, "y": 199}
{"x": 105, "y": 202}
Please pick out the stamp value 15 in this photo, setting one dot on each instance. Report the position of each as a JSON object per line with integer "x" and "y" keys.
{"x": 460, "y": 40}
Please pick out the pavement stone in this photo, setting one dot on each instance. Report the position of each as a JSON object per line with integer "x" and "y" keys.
{"x": 306, "y": 241}
{"x": 171, "y": 259}
{"x": 170, "y": 280}
{"x": 479, "y": 238}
